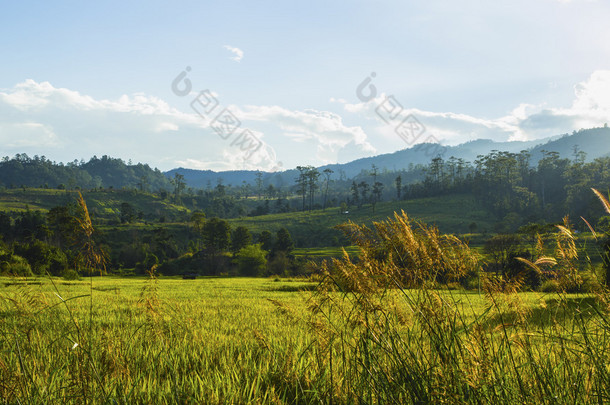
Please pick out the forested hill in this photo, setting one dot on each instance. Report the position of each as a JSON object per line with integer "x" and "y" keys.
{"x": 106, "y": 172}
{"x": 593, "y": 142}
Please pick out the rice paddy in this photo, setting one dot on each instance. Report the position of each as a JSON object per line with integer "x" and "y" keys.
{"x": 242, "y": 340}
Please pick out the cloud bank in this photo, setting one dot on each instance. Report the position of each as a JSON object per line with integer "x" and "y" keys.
{"x": 63, "y": 124}
{"x": 590, "y": 108}
{"x": 38, "y": 118}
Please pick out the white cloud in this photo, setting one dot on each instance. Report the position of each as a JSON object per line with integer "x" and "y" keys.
{"x": 148, "y": 129}
{"x": 238, "y": 54}
{"x": 590, "y": 108}
{"x": 26, "y": 134}
{"x": 38, "y": 118}
{"x": 323, "y": 129}
{"x": 167, "y": 126}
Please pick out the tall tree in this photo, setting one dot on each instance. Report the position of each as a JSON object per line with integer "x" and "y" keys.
{"x": 377, "y": 192}
{"x": 179, "y": 185}
{"x": 398, "y": 182}
{"x": 302, "y": 183}
{"x": 284, "y": 242}
{"x": 266, "y": 240}
{"x": 312, "y": 183}
{"x": 355, "y": 194}
{"x": 259, "y": 183}
{"x": 216, "y": 234}
{"x": 240, "y": 238}
{"x": 327, "y": 174}
{"x": 364, "y": 191}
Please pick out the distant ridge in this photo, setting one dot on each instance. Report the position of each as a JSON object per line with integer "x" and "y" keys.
{"x": 594, "y": 142}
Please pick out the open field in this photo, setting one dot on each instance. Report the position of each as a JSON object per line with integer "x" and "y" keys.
{"x": 309, "y": 228}
{"x": 105, "y": 204}
{"x": 446, "y": 212}
{"x": 245, "y": 340}
{"x": 325, "y": 252}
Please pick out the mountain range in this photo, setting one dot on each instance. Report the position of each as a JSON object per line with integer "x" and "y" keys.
{"x": 594, "y": 142}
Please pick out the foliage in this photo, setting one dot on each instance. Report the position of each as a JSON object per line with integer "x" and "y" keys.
{"x": 240, "y": 238}
{"x": 11, "y": 264}
{"x": 251, "y": 260}
{"x": 284, "y": 242}
{"x": 71, "y": 274}
{"x": 22, "y": 170}
{"x": 216, "y": 234}
{"x": 405, "y": 250}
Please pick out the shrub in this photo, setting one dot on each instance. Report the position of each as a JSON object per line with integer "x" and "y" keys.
{"x": 251, "y": 260}
{"x": 71, "y": 274}
{"x": 550, "y": 286}
{"x": 15, "y": 266}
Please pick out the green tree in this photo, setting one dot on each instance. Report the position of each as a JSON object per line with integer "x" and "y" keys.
{"x": 377, "y": 192}
{"x": 312, "y": 184}
{"x": 398, "y": 182}
{"x": 284, "y": 242}
{"x": 197, "y": 222}
{"x": 355, "y": 194}
{"x": 259, "y": 183}
{"x": 266, "y": 240}
{"x": 179, "y": 185}
{"x": 327, "y": 173}
{"x": 501, "y": 249}
{"x": 302, "y": 184}
{"x": 364, "y": 191}
{"x": 128, "y": 214}
{"x": 216, "y": 235}
{"x": 240, "y": 238}
{"x": 251, "y": 260}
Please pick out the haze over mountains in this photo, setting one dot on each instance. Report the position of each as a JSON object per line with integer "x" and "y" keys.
{"x": 595, "y": 142}
{"x": 38, "y": 171}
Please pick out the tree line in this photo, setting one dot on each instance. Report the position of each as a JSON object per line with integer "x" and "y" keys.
{"x": 39, "y": 243}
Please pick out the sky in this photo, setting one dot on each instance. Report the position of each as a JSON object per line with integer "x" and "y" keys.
{"x": 271, "y": 85}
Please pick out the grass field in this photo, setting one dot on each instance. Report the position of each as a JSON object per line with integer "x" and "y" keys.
{"x": 315, "y": 228}
{"x": 325, "y": 252}
{"x": 308, "y": 229}
{"x": 105, "y": 204}
{"x": 213, "y": 341}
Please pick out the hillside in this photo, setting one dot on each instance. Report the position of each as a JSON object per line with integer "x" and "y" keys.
{"x": 452, "y": 214}
{"x": 313, "y": 228}
{"x": 106, "y": 172}
{"x": 594, "y": 142}
{"x": 104, "y": 205}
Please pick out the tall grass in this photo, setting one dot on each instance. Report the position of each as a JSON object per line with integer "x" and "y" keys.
{"x": 153, "y": 341}
{"x": 380, "y": 328}
{"x": 387, "y": 342}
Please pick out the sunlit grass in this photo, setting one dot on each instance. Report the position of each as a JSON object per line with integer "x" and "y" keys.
{"x": 210, "y": 340}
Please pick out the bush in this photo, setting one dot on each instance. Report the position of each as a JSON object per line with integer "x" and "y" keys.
{"x": 279, "y": 264}
{"x": 71, "y": 274}
{"x": 14, "y": 265}
{"x": 251, "y": 260}
{"x": 472, "y": 283}
{"x": 550, "y": 286}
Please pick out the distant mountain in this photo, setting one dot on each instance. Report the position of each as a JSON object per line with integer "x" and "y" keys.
{"x": 594, "y": 142}
{"x": 209, "y": 179}
{"x": 422, "y": 154}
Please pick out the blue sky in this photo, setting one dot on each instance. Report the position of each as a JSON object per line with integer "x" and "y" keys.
{"x": 85, "y": 78}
